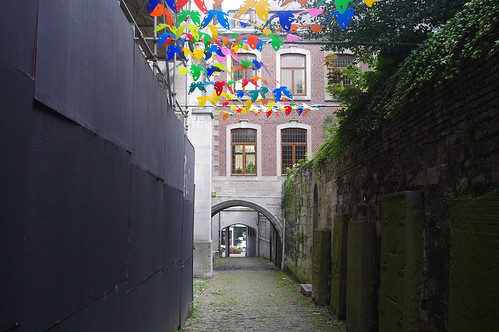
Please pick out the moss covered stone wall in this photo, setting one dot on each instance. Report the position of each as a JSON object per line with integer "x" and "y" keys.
{"x": 444, "y": 144}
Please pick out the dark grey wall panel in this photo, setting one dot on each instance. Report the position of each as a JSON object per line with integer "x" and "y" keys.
{"x": 150, "y": 125}
{"x": 174, "y": 292}
{"x": 146, "y": 227}
{"x": 88, "y": 241}
{"x": 187, "y": 291}
{"x": 84, "y": 65}
{"x": 145, "y": 305}
{"x": 153, "y": 305}
{"x": 172, "y": 211}
{"x": 16, "y": 98}
{"x": 17, "y": 33}
{"x": 187, "y": 231}
{"x": 104, "y": 314}
{"x": 173, "y": 169}
{"x": 77, "y": 220}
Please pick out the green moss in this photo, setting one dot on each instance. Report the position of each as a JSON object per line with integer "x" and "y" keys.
{"x": 492, "y": 192}
{"x": 299, "y": 236}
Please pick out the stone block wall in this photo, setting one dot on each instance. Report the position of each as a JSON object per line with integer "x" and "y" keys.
{"x": 339, "y": 256}
{"x": 321, "y": 266}
{"x": 444, "y": 144}
{"x": 473, "y": 287}
{"x": 401, "y": 262}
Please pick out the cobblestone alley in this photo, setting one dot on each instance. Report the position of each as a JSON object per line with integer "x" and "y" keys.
{"x": 250, "y": 294}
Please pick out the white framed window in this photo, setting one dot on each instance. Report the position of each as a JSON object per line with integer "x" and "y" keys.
{"x": 293, "y": 70}
{"x": 341, "y": 62}
{"x": 293, "y": 142}
{"x": 240, "y": 75}
{"x": 243, "y": 149}
{"x": 243, "y": 74}
{"x": 293, "y": 147}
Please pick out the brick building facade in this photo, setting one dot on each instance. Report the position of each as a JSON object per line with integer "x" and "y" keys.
{"x": 312, "y": 122}
{"x": 250, "y": 174}
{"x": 263, "y": 186}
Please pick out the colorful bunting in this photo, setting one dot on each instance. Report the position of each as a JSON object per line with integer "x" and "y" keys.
{"x": 222, "y": 18}
{"x": 219, "y": 85}
{"x": 252, "y": 40}
{"x": 226, "y": 47}
{"x": 282, "y": 90}
{"x": 341, "y": 5}
{"x": 301, "y": 2}
{"x": 171, "y": 4}
{"x": 201, "y": 5}
{"x": 196, "y": 85}
{"x": 193, "y": 14}
{"x": 285, "y": 19}
{"x": 196, "y": 71}
{"x": 345, "y": 18}
{"x": 369, "y": 3}
{"x": 262, "y": 8}
{"x": 151, "y": 6}
{"x": 276, "y": 42}
{"x": 165, "y": 38}
{"x": 292, "y": 38}
{"x": 172, "y": 50}
{"x": 314, "y": 12}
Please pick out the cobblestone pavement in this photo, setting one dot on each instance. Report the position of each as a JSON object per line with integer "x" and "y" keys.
{"x": 250, "y": 294}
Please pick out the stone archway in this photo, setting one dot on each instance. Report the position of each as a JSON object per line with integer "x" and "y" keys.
{"x": 274, "y": 221}
{"x": 237, "y": 202}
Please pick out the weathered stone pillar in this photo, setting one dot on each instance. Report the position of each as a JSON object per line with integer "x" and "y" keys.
{"x": 401, "y": 262}
{"x": 200, "y": 135}
{"x": 339, "y": 266}
{"x": 321, "y": 266}
{"x": 361, "y": 298}
{"x": 474, "y": 265}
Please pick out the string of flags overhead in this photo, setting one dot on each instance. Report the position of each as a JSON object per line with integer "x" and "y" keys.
{"x": 199, "y": 26}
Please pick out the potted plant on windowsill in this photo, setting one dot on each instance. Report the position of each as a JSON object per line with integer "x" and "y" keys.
{"x": 251, "y": 169}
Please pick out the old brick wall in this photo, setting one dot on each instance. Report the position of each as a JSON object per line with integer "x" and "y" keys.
{"x": 444, "y": 144}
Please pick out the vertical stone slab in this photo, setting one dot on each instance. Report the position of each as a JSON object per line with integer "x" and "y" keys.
{"x": 361, "y": 298}
{"x": 474, "y": 266}
{"x": 321, "y": 266}
{"x": 401, "y": 262}
{"x": 339, "y": 266}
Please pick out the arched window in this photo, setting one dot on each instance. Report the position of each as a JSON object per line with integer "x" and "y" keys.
{"x": 243, "y": 147}
{"x": 293, "y": 147}
{"x": 293, "y": 73}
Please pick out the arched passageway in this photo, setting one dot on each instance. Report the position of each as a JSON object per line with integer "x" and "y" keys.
{"x": 237, "y": 240}
{"x": 263, "y": 231}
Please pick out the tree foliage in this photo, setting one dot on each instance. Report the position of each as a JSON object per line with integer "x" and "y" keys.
{"x": 381, "y": 36}
{"x": 386, "y": 26}
{"x": 472, "y": 34}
